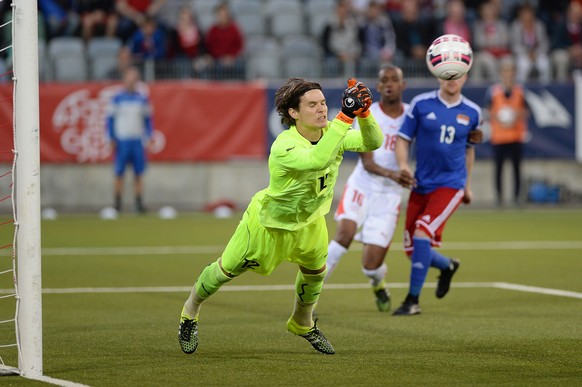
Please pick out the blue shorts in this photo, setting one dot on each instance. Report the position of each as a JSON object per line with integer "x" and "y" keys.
{"x": 130, "y": 152}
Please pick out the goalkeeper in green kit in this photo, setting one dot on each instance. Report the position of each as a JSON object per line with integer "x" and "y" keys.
{"x": 286, "y": 220}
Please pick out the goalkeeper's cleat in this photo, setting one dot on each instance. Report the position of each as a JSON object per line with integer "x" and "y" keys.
{"x": 409, "y": 307}
{"x": 382, "y": 299}
{"x": 188, "y": 335}
{"x": 445, "y": 278}
{"x": 315, "y": 337}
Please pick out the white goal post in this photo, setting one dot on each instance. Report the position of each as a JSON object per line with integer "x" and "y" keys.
{"x": 27, "y": 187}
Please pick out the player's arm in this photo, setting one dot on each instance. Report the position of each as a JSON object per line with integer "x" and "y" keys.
{"x": 371, "y": 166}
{"x": 469, "y": 161}
{"x": 476, "y": 134}
{"x": 149, "y": 128}
{"x": 402, "y": 151}
{"x": 110, "y": 122}
{"x": 370, "y": 136}
{"x": 293, "y": 157}
{"x": 110, "y": 130}
{"x": 367, "y": 139}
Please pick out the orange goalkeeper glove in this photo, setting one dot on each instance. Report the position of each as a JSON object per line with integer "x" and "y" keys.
{"x": 356, "y": 99}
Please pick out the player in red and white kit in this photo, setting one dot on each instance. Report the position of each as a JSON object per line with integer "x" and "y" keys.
{"x": 369, "y": 207}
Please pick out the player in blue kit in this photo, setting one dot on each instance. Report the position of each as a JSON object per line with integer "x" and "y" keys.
{"x": 444, "y": 125}
{"x": 129, "y": 126}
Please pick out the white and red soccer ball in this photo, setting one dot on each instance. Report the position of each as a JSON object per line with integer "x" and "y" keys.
{"x": 449, "y": 57}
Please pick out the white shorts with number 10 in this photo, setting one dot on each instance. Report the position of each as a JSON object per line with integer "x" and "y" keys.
{"x": 376, "y": 214}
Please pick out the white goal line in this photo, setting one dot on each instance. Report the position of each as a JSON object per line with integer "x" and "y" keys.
{"x": 256, "y": 288}
{"x": 184, "y": 250}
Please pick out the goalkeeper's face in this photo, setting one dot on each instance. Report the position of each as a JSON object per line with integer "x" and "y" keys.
{"x": 312, "y": 112}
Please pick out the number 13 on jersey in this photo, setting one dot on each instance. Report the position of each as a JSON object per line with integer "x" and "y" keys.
{"x": 447, "y": 134}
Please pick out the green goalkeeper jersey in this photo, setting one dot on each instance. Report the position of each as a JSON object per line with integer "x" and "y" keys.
{"x": 303, "y": 175}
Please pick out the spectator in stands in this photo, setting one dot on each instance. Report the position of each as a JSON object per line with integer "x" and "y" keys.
{"x": 552, "y": 12}
{"x": 133, "y": 13}
{"x": 413, "y": 33}
{"x": 567, "y": 43}
{"x": 455, "y": 22}
{"x": 187, "y": 42}
{"x": 508, "y": 9}
{"x": 490, "y": 44}
{"x": 361, "y": 7}
{"x": 426, "y": 8}
{"x": 98, "y": 18}
{"x": 60, "y": 16}
{"x": 472, "y": 11}
{"x": 149, "y": 41}
{"x": 224, "y": 43}
{"x": 129, "y": 127}
{"x": 394, "y": 9}
{"x": 530, "y": 45}
{"x": 379, "y": 40}
{"x": 506, "y": 108}
{"x": 341, "y": 41}
{"x": 124, "y": 61}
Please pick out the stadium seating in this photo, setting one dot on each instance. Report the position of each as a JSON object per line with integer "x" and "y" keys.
{"x": 277, "y": 19}
{"x": 284, "y": 7}
{"x": 251, "y": 23}
{"x": 316, "y": 24}
{"x": 67, "y": 59}
{"x": 239, "y": 7}
{"x": 320, "y": 6}
{"x": 283, "y": 24}
{"x": 102, "y": 54}
{"x": 169, "y": 12}
{"x": 43, "y": 67}
{"x": 263, "y": 56}
{"x": 205, "y": 6}
{"x": 302, "y": 56}
{"x": 204, "y": 13}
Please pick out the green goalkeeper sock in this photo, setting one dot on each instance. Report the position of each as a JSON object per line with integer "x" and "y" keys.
{"x": 210, "y": 280}
{"x": 307, "y": 288}
{"x": 208, "y": 283}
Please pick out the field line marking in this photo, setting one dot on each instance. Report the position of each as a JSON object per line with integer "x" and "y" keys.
{"x": 239, "y": 288}
{"x": 12, "y": 371}
{"x": 536, "y": 289}
{"x": 58, "y": 382}
{"x": 332, "y": 286}
{"x": 217, "y": 249}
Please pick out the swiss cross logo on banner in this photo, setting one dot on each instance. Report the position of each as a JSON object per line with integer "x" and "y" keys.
{"x": 80, "y": 117}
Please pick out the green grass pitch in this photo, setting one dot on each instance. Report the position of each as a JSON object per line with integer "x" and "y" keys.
{"x": 114, "y": 290}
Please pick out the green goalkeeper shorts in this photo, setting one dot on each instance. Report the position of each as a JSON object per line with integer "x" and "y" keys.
{"x": 260, "y": 249}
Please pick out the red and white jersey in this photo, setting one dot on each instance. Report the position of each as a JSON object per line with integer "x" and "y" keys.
{"x": 383, "y": 156}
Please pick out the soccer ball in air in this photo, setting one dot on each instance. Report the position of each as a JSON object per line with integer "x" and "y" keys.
{"x": 449, "y": 57}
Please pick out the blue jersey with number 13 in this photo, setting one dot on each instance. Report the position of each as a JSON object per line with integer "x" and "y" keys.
{"x": 441, "y": 131}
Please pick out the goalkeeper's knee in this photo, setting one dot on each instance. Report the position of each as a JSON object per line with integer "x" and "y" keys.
{"x": 308, "y": 286}
{"x": 210, "y": 280}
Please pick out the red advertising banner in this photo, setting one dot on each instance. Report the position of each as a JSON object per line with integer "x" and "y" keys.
{"x": 193, "y": 121}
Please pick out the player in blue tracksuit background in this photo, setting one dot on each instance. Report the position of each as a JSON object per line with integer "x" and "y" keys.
{"x": 129, "y": 126}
